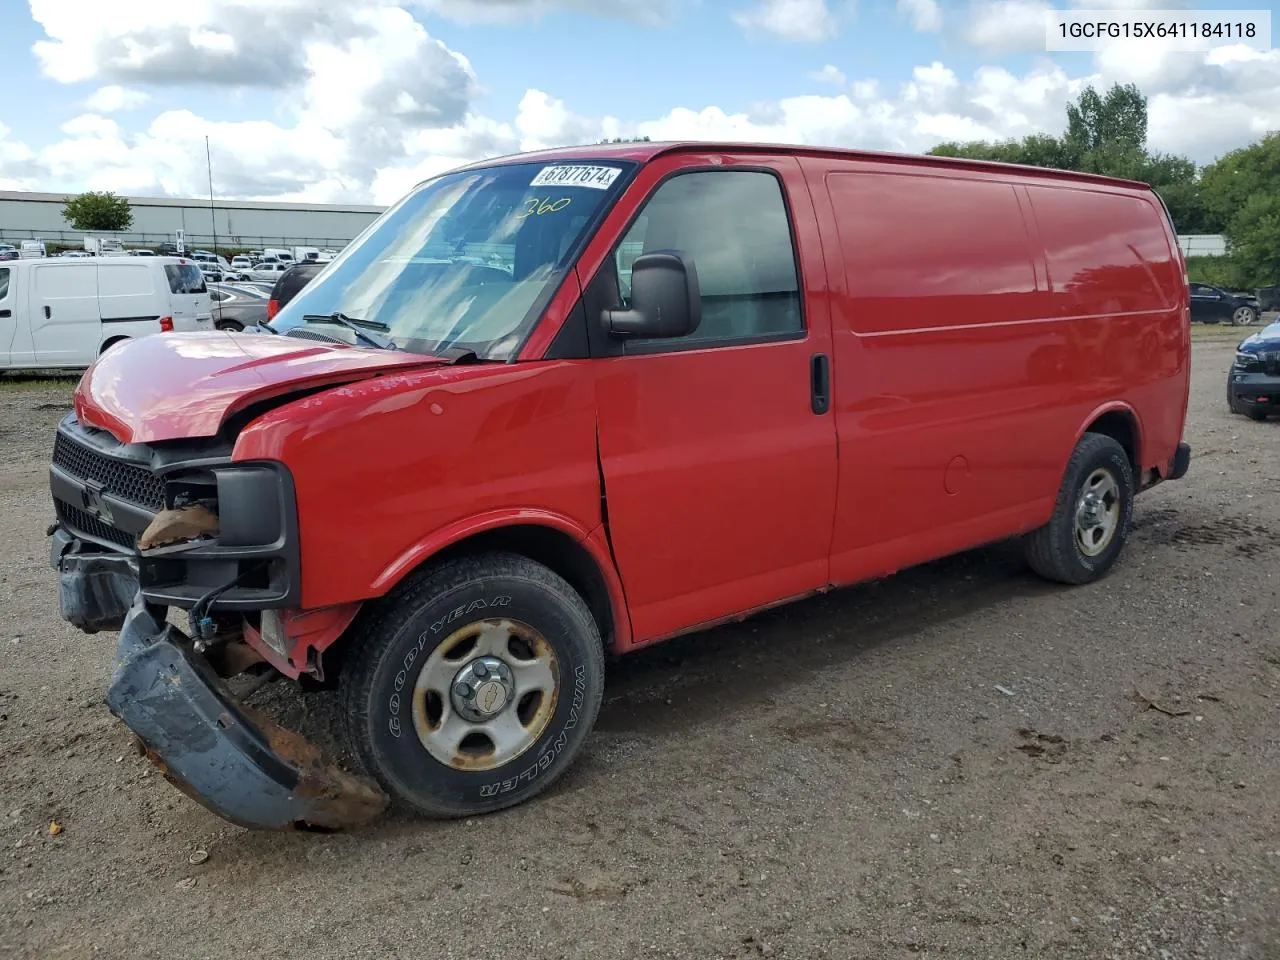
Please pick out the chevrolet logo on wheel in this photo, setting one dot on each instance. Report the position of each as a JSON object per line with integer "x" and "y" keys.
{"x": 91, "y": 496}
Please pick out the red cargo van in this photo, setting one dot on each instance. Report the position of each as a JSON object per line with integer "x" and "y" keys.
{"x": 571, "y": 403}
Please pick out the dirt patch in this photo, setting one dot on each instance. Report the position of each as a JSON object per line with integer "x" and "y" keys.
{"x": 951, "y": 762}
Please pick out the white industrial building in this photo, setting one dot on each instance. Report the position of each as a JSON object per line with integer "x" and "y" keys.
{"x": 236, "y": 223}
{"x": 1203, "y": 244}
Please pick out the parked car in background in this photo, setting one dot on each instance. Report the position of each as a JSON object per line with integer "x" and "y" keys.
{"x": 32, "y": 250}
{"x": 1214, "y": 305}
{"x": 261, "y": 288}
{"x": 235, "y": 308}
{"x": 214, "y": 273}
{"x": 1253, "y": 383}
{"x": 241, "y": 263}
{"x": 9, "y": 252}
{"x": 268, "y": 270}
{"x": 141, "y": 252}
{"x": 63, "y": 313}
{"x": 1269, "y": 298}
{"x": 290, "y": 282}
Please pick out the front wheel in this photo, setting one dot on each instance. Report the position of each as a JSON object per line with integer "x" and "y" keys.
{"x": 1244, "y": 317}
{"x": 1091, "y": 518}
{"x": 473, "y": 686}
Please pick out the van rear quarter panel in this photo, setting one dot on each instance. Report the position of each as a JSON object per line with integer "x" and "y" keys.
{"x": 1116, "y": 275}
{"x": 967, "y": 361}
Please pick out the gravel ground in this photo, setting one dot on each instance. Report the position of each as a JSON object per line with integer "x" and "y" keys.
{"x": 951, "y": 762}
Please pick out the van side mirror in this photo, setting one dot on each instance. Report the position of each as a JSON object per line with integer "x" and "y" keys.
{"x": 665, "y": 301}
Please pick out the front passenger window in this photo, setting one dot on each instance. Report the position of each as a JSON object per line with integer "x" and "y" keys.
{"x": 734, "y": 225}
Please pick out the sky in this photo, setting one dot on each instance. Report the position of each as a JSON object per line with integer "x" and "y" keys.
{"x": 355, "y": 101}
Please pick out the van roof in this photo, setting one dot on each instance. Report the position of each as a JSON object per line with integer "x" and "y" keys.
{"x": 644, "y": 151}
{"x": 131, "y": 261}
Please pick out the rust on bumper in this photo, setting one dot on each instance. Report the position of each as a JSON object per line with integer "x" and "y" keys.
{"x": 225, "y": 755}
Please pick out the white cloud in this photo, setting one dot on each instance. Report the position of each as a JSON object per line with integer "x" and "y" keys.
{"x": 1007, "y": 26}
{"x": 1003, "y": 26}
{"x": 829, "y": 74}
{"x": 114, "y": 98}
{"x": 799, "y": 21}
{"x": 18, "y": 169}
{"x": 652, "y": 13}
{"x": 363, "y": 112}
{"x": 925, "y": 15}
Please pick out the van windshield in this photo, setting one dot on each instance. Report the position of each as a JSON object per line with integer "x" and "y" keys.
{"x": 467, "y": 260}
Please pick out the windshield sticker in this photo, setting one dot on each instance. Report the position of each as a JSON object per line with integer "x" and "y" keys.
{"x": 537, "y": 206}
{"x": 597, "y": 178}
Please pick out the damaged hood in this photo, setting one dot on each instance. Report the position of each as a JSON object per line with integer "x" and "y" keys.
{"x": 176, "y": 385}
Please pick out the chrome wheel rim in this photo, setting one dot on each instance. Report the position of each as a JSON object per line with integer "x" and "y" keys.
{"x": 486, "y": 694}
{"x": 1097, "y": 512}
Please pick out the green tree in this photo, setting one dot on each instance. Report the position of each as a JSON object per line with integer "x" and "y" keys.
{"x": 1117, "y": 118}
{"x": 624, "y": 140}
{"x": 1106, "y": 134}
{"x": 1229, "y": 182}
{"x": 98, "y": 211}
{"x": 1241, "y": 191}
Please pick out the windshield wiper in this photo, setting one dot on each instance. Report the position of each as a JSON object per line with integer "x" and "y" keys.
{"x": 356, "y": 326}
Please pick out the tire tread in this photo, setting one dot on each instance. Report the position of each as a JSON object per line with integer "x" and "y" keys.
{"x": 375, "y": 632}
{"x": 1049, "y": 552}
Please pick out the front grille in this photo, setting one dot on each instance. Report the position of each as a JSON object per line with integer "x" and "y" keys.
{"x": 91, "y": 526}
{"x": 124, "y": 480}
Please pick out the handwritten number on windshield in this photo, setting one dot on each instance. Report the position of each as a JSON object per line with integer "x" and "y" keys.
{"x": 537, "y": 206}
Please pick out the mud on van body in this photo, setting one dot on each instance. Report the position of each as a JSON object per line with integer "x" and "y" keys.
{"x": 572, "y": 403}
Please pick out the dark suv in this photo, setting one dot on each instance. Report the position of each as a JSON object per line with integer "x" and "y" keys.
{"x": 1215, "y": 305}
{"x": 290, "y": 282}
{"x": 1253, "y": 383}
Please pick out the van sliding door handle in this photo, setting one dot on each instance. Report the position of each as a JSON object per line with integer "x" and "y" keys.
{"x": 5, "y": 314}
{"x": 820, "y": 383}
{"x": 47, "y": 312}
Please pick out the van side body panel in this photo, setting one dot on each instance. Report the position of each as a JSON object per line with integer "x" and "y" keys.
{"x": 1116, "y": 277}
{"x": 718, "y": 475}
{"x": 967, "y": 362}
{"x": 388, "y": 470}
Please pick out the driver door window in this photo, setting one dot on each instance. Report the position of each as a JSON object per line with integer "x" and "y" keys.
{"x": 734, "y": 225}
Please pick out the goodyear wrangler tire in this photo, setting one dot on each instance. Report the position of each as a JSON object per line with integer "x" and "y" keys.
{"x": 473, "y": 685}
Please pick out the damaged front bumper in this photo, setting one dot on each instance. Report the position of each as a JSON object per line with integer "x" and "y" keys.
{"x": 223, "y": 754}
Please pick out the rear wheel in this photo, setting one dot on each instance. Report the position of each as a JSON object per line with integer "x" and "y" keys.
{"x": 1256, "y": 414}
{"x": 473, "y": 686}
{"x": 1091, "y": 518}
{"x": 229, "y": 325}
{"x": 1244, "y": 316}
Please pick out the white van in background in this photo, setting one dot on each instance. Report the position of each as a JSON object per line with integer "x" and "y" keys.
{"x": 277, "y": 253}
{"x": 63, "y": 312}
{"x": 32, "y": 249}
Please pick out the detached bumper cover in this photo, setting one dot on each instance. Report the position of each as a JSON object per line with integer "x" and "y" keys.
{"x": 223, "y": 754}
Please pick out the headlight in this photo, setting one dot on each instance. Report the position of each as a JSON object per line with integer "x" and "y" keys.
{"x": 1245, "y": 360}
